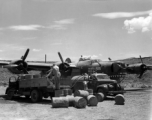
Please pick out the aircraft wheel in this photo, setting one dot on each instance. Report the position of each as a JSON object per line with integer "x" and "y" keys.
{"x": 10, "y": 95}
{"x": 35, "y": 96}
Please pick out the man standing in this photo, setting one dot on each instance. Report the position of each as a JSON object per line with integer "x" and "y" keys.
{"x": 54, "y": 71}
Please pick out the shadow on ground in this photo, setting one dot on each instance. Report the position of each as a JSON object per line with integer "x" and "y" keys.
{"x": 24, "y": 100}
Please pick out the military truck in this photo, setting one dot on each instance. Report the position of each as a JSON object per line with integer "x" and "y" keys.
{"x": 98, "y": 82}
{"x": 33, "y": 86}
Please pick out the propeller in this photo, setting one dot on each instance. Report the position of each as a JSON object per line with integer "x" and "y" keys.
{"x": 25, "y": 55}
{"x": 64, "y": 66}
{"x": 20, "y": 64}
{"x": 60, "y": 57}
{"x": 144, "y": 67}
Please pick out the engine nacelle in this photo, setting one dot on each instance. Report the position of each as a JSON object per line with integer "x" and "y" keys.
{"x": 21, "y": 66}
{"x": 136, "y": 68}
{"x": 65, "y": 69}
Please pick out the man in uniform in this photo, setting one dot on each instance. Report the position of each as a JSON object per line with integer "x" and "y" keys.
{"x": 55, "y": 74}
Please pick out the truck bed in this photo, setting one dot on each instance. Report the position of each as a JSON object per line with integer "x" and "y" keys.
{"x": 34, "y": 82}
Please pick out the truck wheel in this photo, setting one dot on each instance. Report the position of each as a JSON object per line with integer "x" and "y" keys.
{"x": 34, "y": 96}
{"x": 10, "y": 95}
{"x": 100, "y": 90}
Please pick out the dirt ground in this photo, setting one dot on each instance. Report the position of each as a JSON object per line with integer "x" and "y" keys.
{"x": 137, "y": 106}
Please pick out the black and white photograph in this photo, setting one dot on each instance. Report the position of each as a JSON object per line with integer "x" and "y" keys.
{"x": 75, "y": 59}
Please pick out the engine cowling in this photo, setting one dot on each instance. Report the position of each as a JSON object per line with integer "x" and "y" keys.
{"x": 18, "y": 67}
{"x": 136, "y": 68}
{"x": 65, "y": 69}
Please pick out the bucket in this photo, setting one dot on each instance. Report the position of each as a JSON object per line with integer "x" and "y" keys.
{"x": 59, "y": 102}
{"x": 80, "y": 102}
{"x": 92, "y": 100}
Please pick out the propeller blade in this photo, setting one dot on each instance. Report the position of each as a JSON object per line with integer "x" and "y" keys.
{"x": 141, "y": 59}
{"x": 60, "y": 57}
{"x": 10, "y": 66}
{"x": 25, "y": 55}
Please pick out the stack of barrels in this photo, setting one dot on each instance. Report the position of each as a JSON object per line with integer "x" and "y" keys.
{"x": 80, "y": 99}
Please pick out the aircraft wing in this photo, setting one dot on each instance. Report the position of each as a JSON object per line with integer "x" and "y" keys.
{"x": 3, "y": 63}
{"x": 39, "y": 66}
{"x": 44, "y": 66}
{"x": 149, "y": 67}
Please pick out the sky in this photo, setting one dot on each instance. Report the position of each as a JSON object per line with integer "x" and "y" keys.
{"x": 117, "y": 29}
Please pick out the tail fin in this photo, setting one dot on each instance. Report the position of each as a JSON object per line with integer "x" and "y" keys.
{"x": 68, "y": 60}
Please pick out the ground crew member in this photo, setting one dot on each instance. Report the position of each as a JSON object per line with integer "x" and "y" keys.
{"x": 54, "y": 71}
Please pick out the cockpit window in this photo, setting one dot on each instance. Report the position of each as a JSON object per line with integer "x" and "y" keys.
{"x": 84, "y": 58}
